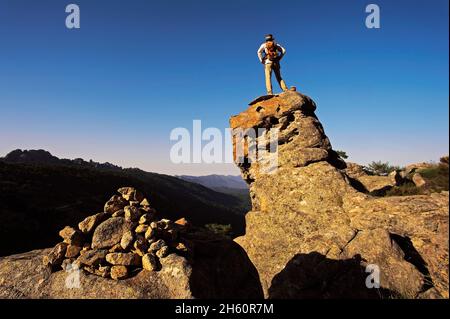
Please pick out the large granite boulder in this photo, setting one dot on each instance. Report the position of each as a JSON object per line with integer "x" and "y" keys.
{"x": 313, "y": 233}
{"x": 221, "y": 269}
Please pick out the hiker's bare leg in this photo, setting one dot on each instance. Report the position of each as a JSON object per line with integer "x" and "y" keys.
{"x": 268, "y": 74}
{"x": 280, "y": 79}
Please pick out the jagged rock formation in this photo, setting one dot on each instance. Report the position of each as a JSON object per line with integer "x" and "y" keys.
{"x": 128, "y": 252}
{"x": 311, "y": 233}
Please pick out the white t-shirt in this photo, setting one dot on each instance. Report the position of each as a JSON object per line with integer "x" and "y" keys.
{"x": 263, "y": 48}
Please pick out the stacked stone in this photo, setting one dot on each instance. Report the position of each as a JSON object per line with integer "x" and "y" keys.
{"x": 126, "y": 237}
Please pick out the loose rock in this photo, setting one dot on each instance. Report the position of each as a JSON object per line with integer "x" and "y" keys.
{"x": 103, "y": 271}
{"x": 93, "y": 257}
{"x": 163, "y": 252}
{"x": 119, "y": 272}
{"x": 88, "y": 225}
{"x": 71, "y": 236}
{"x": 110, "y": 232}
{"x": 72, "y": 251}
{"x": 150, "y": 233}
{"x": 131, "y": 194}
{"x": 56, "y": 256}
{"x": 146, "y": 219}
{"x": 141, "y": 229}
{"x": 127, "y": 239}
{"x": 150, "y": 262}
{"x": 132, "y": 213}
{"x": 124, "y": 259}
{"x": 140, "y": 246}
{"x": 114, "y": 204}
{"x": 157, "y": 245}
{"x": 119, "y": 213}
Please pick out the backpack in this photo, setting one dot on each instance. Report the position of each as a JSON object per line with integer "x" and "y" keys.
{"x": 271, "y": 51}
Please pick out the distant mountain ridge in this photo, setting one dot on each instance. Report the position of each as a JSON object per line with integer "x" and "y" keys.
{"x": 45, "y": 157}
{"x": 227, "y": 184}
{"x": 40, "y": 156}
{"x": 40, "y": 193}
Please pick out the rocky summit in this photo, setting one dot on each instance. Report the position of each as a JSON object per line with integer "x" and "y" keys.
{"x": 316, "y": 231}
{"x": 127, "y": 251}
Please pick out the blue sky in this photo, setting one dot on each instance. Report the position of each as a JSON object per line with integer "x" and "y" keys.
{"x": 114, "y": 89}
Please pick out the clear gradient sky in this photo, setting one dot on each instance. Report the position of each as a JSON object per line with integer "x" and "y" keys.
{"x": 114, "y": 89}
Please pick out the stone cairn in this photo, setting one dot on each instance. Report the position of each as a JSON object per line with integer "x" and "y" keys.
{"x": 123, "y": 239}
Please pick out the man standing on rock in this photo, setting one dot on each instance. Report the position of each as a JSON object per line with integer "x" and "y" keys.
{"x": 273, "y": 53}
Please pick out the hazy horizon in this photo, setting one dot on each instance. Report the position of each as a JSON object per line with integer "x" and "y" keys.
{"x": 113, "y": 90}
{"x": 194, "y": 165}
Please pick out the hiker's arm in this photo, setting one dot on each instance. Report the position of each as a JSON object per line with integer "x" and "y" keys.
{"x": 260, "y": 52}
{"x": 282, "y": 50}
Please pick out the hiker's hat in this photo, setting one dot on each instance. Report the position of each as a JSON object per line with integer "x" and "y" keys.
{"x": 268, "y": 37}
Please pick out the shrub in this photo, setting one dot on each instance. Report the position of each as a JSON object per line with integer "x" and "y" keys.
{"x": 342, "y": 154}
{"x": 382, "y": 168}
{"x": 436, "y": 178}
{"x": 219, "y": 229}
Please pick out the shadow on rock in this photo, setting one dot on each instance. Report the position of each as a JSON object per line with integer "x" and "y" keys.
{"x": 313, "y": 276}
{"x": 222, "y": 269}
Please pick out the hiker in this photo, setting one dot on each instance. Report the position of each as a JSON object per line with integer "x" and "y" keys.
{"x": 273, "y": 53}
